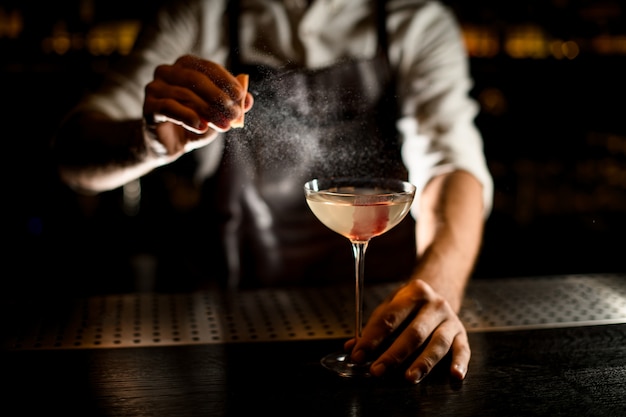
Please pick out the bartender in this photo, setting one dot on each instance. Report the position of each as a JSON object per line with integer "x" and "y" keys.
{"x": 260, "y": 96}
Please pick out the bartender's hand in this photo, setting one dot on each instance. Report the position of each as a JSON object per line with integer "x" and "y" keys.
{"x": 421, "y": 323}
{"x": 188, "y": 102}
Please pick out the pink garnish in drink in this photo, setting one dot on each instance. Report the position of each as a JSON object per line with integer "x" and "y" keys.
{"x": 369, "y": 220}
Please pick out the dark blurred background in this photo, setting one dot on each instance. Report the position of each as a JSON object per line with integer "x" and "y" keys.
{"x": 549, "y": 75}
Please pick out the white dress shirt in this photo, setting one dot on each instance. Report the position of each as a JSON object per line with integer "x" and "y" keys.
{"x": 426, "y": 51}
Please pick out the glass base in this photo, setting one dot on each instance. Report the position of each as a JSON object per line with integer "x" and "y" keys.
{"x": 340, "y": 363}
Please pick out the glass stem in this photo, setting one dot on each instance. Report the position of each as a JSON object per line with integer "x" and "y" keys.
{"x": 358, "y": 249}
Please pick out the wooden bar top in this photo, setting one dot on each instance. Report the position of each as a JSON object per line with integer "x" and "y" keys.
{"x": 574, "y": 371}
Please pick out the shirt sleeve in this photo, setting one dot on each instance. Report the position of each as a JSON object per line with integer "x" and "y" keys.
{"x": 437, "y": 125}
{"x": 182, "y": 27}
{"x": 178, "y": 28}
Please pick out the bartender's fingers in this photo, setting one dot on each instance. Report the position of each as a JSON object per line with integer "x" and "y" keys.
{"x": 176, "y": 140}
{"x": 211, "y": 82}
{"x": 389, "y": 316}
{"x": 425, "y": 327}
{"x": 184, "y": 105}
{"x": 461, "y": 355}
{"x": 448, "y": 337}
{"x": 214, "y": 75}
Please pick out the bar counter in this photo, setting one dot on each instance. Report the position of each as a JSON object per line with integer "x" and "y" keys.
{"x": 258, "y": 354}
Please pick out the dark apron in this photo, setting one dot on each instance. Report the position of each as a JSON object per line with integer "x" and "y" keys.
{"x": 253, "y": 225}
{"x": 337, "y": 121}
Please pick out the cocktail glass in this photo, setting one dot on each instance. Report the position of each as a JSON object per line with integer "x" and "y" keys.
{"x": 358, "y": 209}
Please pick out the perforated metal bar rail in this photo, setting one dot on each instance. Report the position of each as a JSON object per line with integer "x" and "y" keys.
{"x": 139, "y": 320}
